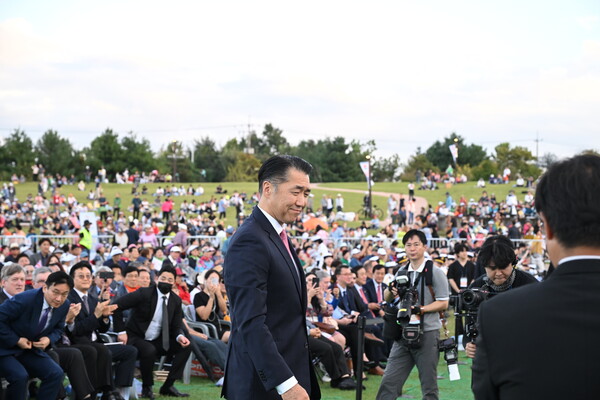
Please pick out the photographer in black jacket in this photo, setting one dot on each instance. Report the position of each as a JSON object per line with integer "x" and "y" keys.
{"x": 498, "y": 257}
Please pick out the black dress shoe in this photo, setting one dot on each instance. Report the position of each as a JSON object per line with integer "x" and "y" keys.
{"x": 172, "y": 391}
{"x": 147, "y": 393}
{"x": 346, "y": 384}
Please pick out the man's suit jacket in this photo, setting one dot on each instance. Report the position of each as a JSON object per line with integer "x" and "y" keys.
{"x": 19, "y": 317}
{"x": 352, "y": 301}
{"x": 371, "y": 291}
{"x": 3, "y": 296}
{"x": 541, "y": 341}
{"x": 267, "y": 294}
{"x": 142, "y": 303}
{"x": 86, "y": 323}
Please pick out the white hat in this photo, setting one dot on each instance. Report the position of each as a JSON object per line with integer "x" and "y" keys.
{"x": 115, "y": 251}
{"x": 354, "y": 251}
{"x": 67, "y": 258}
{"x": 327, "y": 255}
{"x": 381, "y": 251}
{"x": 391, "y": 264}
{"x": 315, "y": 238}
{"x": 183, "y": 226}
{"x": 191, "y": 248}
{"x": 374, "y": 258}
{"x": 175, "y": 249}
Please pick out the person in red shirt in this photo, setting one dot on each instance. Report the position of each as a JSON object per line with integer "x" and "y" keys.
{"x": 181, "y": 287}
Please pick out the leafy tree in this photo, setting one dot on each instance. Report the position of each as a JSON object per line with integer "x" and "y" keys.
{"x": 272, "y": 142}
{"x": 174, "y": 159}
{"x": 484, "y": 170}
{"x": 208, "y": 158}
{"x": 439, "y": 153}
{"x": 138, "y": 153}
{"x": 386, "y": 169}
{"x": 55, "y": 153}
{"x": 17, "y": 154}
{"x": 245, "y": 169}
{"x": 519, "y": 159}
{"x": 105, "y": 150}
{"x": 418, "y": 161}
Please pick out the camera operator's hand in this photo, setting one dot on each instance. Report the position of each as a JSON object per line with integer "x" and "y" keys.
{"x": 470, "y": 349}
{"x": 416, "y": 310}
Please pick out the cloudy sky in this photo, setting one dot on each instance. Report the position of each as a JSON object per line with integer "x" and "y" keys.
{"x": 405, "y": 73}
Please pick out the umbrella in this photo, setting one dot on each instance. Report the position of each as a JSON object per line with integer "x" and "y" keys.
{"x": 312, "y": 223}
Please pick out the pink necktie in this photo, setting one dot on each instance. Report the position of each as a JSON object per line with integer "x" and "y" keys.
{"x": 284, "y": 238}
{"x": 379, "y": 293}
{"x": 362, "y": 294}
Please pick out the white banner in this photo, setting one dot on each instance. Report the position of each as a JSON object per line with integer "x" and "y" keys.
{"x": 454, "y": 151}
{"x": 364, "y": 165}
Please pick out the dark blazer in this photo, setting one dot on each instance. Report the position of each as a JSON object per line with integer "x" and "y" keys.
{"x": 371, "y": 291}
{"x": 267, "y": 294}
{"x": 142, "y": 303}
{"x": 540, "y": 341}
{"x": 19, "y": 317}
{"x": 86, "y": 323}
{"x": 3, "y": 296}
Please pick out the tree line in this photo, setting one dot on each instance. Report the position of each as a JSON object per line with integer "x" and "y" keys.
{"x": 334, "y": 158}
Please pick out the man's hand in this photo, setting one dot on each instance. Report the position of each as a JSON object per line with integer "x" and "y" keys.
{"x": 183, "y": 341}
{"x": 24, "y": 343}
{"x": 297, "y": 392}
{"x": 42, "y": 343}
{"x": 373, "y": 306}
{"x": 315, "y": 332}
{"x": 122, "y": 337}
{"x": 104, "y": 309}
{"x": 73, "y": 312}
{"x": 470, "y": 349}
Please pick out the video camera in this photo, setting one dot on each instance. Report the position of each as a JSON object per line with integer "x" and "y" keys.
{"x": 467, "y": 308}
{"x": 397, "y": 319}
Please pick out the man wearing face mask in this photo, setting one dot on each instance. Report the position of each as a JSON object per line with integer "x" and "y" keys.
{"x": 155, "y": 329}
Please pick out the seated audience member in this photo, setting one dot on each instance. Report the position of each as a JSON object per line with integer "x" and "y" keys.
{"x": 210, "y": 304}
{"x": 92, "y": 320}
{"x": 13, "y": 281}
{"x": 29, "y": 323}
{"x": 181, "y": 287}
{"x": 155, "y": 329}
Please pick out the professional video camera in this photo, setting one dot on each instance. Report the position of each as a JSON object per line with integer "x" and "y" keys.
{"x": 397, "y": 319}
{"x": 467, "y": 308}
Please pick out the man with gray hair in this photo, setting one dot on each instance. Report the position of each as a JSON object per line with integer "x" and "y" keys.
{"x": 13, "y": 281}
{"x": 38, "y": 279}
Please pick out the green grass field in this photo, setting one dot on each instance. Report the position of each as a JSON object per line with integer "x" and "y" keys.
{"x": 353, "y": 201}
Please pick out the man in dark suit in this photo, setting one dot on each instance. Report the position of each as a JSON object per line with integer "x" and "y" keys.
{"x": 375, "y": 288}
{"x": 559, "y": 312}
{"x": 92, "y": 320}
{"x": 152, "y": 332}
{"x": 268, "y": 348}
{"x": 29, "y": 323}
{"x": 13, "y": 281}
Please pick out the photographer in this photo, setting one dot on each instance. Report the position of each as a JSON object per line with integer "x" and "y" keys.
{"x": 430, "y": 283}
{"x": 498, "y": 257}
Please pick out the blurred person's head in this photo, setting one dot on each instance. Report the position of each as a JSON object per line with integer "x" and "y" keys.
{"x": 144, "y": 279}
{"x": 378, "y": 273}
{"x": 566, "y": 200}
{"x": 130, "y": 277}
{"x": 498, "y": 257}
{"x": 39, "y": 277}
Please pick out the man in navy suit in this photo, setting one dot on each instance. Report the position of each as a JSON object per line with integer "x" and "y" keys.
{"x": 268, "y": 353}
{"x": 375, "y": 288}
{"x": 29, "y": 323}
{"x": 561, "y": 312}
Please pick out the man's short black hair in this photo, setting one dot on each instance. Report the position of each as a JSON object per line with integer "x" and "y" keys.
{"x": 275, "y": 169}
{"x": 168, "y": 269}
{"x": 338, "y": 270}
{"x": 80, "y": 265}
{"x": 358, "y": 268}
{"x": 129, "y": 269}
{"x": 377, "y": 267}
{"x": 42, "y": 240}
{"x": 58, "y": 278}
{"x": 415, "y": 232}
{"x": 498, "y": 249}
{"x": 568, "y": 197}
{"x": 458, "y": 247}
